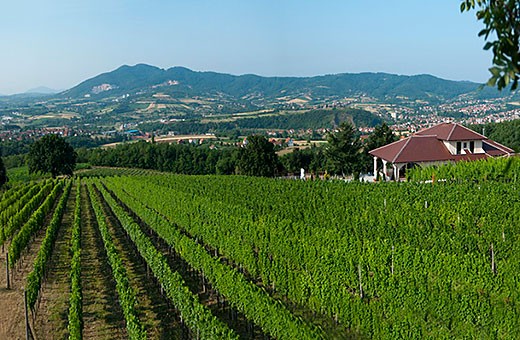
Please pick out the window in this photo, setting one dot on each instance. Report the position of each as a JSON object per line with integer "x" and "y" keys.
{"x": 458, "y": 148}
{"x": 472, "y": 146}
{"x": 465, "y": 146}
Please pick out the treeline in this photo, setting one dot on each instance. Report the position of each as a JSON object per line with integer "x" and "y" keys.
{"x": 506, "y": 133}
{"x": 344, "y": 154}
{"x": 15, "y": 152}
{"x": 176, "y": 158}
{"x": 313, "y": 119}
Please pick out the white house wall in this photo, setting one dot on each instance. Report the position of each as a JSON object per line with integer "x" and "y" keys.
{"x": 452, "y": 146}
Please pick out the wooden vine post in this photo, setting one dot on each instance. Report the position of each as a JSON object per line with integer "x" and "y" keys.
{"x": 27, "y": 329}
{"x": 493, "y": 268}
{"x": 392, "y": 268}
{"x": 7, "y": 278}
{"x": 360, "y": 284}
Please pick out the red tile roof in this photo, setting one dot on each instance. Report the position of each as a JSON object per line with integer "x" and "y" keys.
{"x": 414, "y": 149}
{"x": 428, "y": 146}
{"x": 451, "y": 132}
{"x": 470, "y": 157}
{"x": 494, "y": 147}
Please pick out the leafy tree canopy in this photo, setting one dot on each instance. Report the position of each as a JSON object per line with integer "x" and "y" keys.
{"x": 381, "y": 136}
{"x": 52, "y": 154}
{"x": 3, "y": 173}
{"x": 501, "y": 30}
{"x": 258, "y": 158}
{"x": 343, "y": 150}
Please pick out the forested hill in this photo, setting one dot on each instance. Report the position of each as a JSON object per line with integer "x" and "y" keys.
{"x": 181, "y": 81}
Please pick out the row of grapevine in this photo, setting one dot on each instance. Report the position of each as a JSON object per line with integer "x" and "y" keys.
{"x": 11, "y": 207}
{"x": 490, "y": 169}
{"x": 126, "y": 295}
{"x": 36, "y": 276}
{"x": 419, "y": 253}
{"x": 253, "y": 301}
{"x": 76, "y": 296}
{"x": 197, "y": 317}
{"x": 35, "y": 223}
{"x": 13, "y": 195}
{"x": 107, "y": 171}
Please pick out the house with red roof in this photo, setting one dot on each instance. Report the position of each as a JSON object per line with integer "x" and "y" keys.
{"x": 442, "y": 143}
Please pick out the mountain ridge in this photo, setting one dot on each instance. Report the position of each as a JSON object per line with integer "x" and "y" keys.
{"x": 183, "y": 81}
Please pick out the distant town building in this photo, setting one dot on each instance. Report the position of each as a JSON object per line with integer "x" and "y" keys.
{"x": 442, "y": 143}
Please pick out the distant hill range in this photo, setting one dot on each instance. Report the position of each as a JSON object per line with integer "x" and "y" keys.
{"x": 42, "y": 90}
{"x": 183, "y": 82}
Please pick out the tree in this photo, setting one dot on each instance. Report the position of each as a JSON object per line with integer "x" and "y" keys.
{"x": 3, "y": 173}
{"x": 343, "y": 150}
{"x": 501, "y": 20}
{"x": 258, "y": 158}
{"x": 52, "y": 154}
{"x": 381, "y": 136}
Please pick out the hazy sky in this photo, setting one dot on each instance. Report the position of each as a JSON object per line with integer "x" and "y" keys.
{"x": 59, "y": 43}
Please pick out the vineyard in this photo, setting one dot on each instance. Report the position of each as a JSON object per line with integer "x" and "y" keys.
{"x": 139, "y": 254}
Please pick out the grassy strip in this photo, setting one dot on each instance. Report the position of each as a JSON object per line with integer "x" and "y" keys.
{"x": 127, "y": 296}
{"x": 197, "y": 317}
{"x": 35, "y": 222}
{"x": 254, "y": 302}
{"x": 15, "y": 215}
{"x": 76, "y": 296}
{"x": 35, "y": 277}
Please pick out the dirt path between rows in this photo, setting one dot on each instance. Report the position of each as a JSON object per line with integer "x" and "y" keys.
{"x": 159, "y": 318}
{"x": 52, "y": 310}
{"x": 12, "y": 312}
{"x": 102, "y": 316}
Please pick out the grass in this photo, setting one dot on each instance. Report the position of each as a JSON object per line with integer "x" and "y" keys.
{"x": 21, "y": 174}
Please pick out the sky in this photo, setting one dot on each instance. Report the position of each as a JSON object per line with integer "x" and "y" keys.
{"x": 60, "y": 43}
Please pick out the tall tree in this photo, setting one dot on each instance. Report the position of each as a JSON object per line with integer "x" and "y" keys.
{"x": 343, "y": 150}
{"x": 52, "y": 154}
{"x": 258, "y": 158}
{"x": 501, "y": 30}
{"x": 3, "y": 173}
{"x": 381, "y": 136}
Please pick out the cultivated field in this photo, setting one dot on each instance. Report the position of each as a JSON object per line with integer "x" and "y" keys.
{"x": 137, "y": 254}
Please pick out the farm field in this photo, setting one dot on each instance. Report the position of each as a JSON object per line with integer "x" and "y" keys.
{"x": 138, "y": 254}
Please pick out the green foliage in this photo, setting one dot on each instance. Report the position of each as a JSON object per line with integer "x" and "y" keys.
{"x": 21, "y": 174}
{"x": 75, "y": 324}
{"x": 14, "y": 216}
{"x": 244, "y": 295}
{"x": 52, "y": 154}
{"x": 343, "y": 150}
{"x": 21, "y": 239}
{"x": 506, "y": 133}
{"x": 14, "y": 161}
{"x": 311, "y": 159}
{"x": 422, "y": 251}
{"x": 3, "y": 173}
{"x": 178, "y": 158}
{"x": 501, "y": 20}
{"x": 194, "y": 315}
{"x": 381, "y": 136}
{"x": 36, "y": 276}
{"x": 129, "y": 79}
{"x": 126, "y": 294}
{"x": 258, "y": 158}
{"x": 491, "y": 169}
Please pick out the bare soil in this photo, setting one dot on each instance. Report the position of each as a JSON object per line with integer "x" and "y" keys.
{"x": 157, "y": 315}
{"x": 51, "y": 317}
{"x": 102, "y": 316}
{"x": 12, "y": 312}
